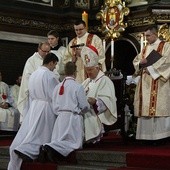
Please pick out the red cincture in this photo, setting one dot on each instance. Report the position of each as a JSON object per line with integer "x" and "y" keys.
{"x": 154, "y": 87}
{"x": 61, "y": 92}
{"x": 4, "y": 96}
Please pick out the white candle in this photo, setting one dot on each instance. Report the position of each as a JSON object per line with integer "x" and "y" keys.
{"x": 141, "y": 42}
{"x": 112, "y": 48}
{"x": 112, "y": 52}
{"x": 104, "y": 45}
{"x": 145, "y": 41}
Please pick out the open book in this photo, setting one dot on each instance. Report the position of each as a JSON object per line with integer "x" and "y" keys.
{"x": 153, "y": 57}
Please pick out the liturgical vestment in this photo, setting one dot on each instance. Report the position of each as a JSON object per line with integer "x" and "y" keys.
{"x": 152, "y": 96}
{"x": 96, "y": 42}
{"x": 100, "y": 88}
{"x": 38, "y": 123}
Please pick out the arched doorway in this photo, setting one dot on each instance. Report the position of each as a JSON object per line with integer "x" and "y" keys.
{"x": 125, "y": 50}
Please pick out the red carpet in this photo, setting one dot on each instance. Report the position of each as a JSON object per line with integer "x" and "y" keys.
{"x": 154, "y": 161}
{"x": 138, "y": 157}
{"x": 6, "y": 137}
{"x": 39, "y": 166}
{"x": 5, "y": 142}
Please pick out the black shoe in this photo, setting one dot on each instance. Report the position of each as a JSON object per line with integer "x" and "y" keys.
{"x": 53, "y": 155}
{"x": 24, "y": 157}
{"x": 42, "y": 157}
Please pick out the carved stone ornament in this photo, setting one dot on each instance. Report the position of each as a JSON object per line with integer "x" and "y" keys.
{"x": 34, "y": 24}
{"x": 112, "y": 16}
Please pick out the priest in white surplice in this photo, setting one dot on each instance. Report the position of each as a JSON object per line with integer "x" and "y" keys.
{"x": 14, "y": 91}
{"x": 152, "y": 96}
{"x": 86, "y": 38}
{"x": 69, "y": 104}
{"x": 38, "y": 123}
{"x": 100, "y": 92}
{"x": 31, "y": 65}
{"x": 58, "y": 49}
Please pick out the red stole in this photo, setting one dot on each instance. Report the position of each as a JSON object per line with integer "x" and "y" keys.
{"x": 154, "y": 87}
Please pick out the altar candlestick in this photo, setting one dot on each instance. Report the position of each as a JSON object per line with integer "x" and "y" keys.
{"x": 112, "y": 52}
{"x": 145, "y": 41}
{"x": 141, "y": 42}
{"x": 104, "y": 45}
{"x": 85, "y": 18}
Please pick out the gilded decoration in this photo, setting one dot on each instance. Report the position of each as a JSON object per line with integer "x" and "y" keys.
{"x": 141, "y": 21}
{"x": 95, "y": 3}
{"x": 161, "y": 15}
{"x": 158, "y": 16}
{"x": 19, "y": 22}
{"x": 112, "y": 15}
{"x": 33, "y": 24}
{"x": 66, "y": 2}
{"x": 164, "y": 32}
{"x": 163, "y": 18}
{"x": 82, "y": 4}
{"x": 63, "y": 4}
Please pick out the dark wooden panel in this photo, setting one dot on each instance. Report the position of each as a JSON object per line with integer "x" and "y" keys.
{"x": 13, "y": 56}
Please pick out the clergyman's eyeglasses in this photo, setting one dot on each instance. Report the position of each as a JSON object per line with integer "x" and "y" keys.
{"x": 44, "y": 51}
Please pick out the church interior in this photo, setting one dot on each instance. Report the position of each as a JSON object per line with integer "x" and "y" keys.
{"x": 25, "y": 23}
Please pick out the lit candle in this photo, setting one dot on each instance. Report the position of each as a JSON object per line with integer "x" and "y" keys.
{"x": 104, "y": 45}
{"x": 85, "y": 18}
{"x": 145, "y": 41}
{"x": 112, "y": 52}
{"x": 141, "y": 42}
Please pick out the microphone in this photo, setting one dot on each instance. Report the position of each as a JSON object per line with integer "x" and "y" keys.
{"x": 77, "y": 45}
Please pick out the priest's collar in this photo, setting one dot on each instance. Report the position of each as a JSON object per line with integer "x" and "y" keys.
{"x": 55, "y": 48}
{"x": 85, "y": 35}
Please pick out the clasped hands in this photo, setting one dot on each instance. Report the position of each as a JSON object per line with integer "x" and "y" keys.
{"x": 91, "y": 100}
{"x": 4, "y": 105}
{"x": 77, "y": 53}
